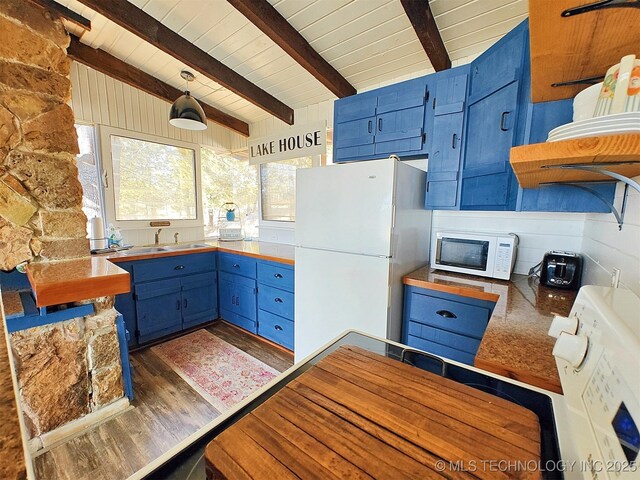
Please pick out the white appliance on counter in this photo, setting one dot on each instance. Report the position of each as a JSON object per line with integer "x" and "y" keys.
{"x": 598, "y": 358}
{"x": 359, "y": 228}
{"x": 485, "y": 254}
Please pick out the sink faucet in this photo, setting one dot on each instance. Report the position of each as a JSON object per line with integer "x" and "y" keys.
{"x": 175, "y": 236}
{"x": 158, "y": 236}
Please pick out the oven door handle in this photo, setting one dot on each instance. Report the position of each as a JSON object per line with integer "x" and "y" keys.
{"x": 408, "y": 354}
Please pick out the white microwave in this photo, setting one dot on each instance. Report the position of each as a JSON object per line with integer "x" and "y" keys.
{"x": 483, "y": 254}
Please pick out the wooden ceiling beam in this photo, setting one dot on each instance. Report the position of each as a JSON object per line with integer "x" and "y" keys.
{"x": 264, "y": 16}
{"x": 66, "y": 13}
{"x": 424, "y": 24}
{"x": 143, "y": 25}
{"x": 114, "y": 67}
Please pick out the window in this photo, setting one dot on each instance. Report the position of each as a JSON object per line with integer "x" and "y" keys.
{"x": 229, "y": 178}
{"x": 278, "y": 188}
{"x": 150, "y": 179}
{"x": 88, "y": 173}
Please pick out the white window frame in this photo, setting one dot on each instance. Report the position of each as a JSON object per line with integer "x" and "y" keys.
{"x": 316, "y": 161}
{"x": 104, "y": 134}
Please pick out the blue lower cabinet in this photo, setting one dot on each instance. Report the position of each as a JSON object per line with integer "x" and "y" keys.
{"x": 158, "y": 309}
{"x": 276, "y": 302}
{"x": 445, "y": 324}
{"x": 199, "y": 299}
{"x": 237, "y": 297}
{"x": 275, "y": 328}
{"x": 168, "y": 294}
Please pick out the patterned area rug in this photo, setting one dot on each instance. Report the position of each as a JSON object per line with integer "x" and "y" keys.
{"x": 220, "y": 372}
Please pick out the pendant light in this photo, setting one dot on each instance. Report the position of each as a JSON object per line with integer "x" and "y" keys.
{"x": 186, "y": 112}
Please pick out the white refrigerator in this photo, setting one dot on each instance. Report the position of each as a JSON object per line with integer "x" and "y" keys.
{"x": 360, "y": 227}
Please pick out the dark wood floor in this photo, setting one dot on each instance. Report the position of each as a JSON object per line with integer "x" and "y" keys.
{"x": 166, "y": 411}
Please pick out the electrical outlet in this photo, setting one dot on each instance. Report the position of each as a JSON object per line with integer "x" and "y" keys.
{"x": 615, "y": 278}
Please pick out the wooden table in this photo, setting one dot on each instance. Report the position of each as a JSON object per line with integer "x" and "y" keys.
{"x": 356, "y": 414}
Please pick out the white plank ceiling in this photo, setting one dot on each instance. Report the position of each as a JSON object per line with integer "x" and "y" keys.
{"x": 369, "y": 42}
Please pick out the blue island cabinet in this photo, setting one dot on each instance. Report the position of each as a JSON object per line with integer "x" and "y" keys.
{"x": 444, "y": 324}
{"x": 168, "y": 294}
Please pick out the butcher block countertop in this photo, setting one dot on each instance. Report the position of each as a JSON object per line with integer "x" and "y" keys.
{"x": 357, "y": 414}
{"x": 515, "y": 344}
{"x": 275, "y": 252}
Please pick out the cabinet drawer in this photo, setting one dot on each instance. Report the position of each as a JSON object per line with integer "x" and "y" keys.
{"x": 146, "y": 270}
{"x": 453, "y": 340}
{"x": 240, "y": 265}
{"x": 275, "y": 328}
{"x": 469, "y": 320}
{"x": 441, "y": 350}
{"x": 276, "y": 275}
{"x": 276, "y": 301}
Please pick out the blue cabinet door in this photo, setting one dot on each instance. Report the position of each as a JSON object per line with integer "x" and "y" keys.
{"x": 444, "y": 161}
{"x": 500, "y": 65}
{"x": 488, "y": 182}
{"x": 199, "y": 299}
{"x": 158, "y": 308}
{"x": 355, "y": 107}
{"x": 237, "y": 300}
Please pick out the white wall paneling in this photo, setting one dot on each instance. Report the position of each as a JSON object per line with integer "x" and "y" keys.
{"x": 605, "y": 247}
{"x": 99, "y": 99}
{"x": 538, "y": 232}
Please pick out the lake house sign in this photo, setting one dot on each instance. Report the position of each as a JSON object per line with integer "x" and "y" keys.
{"x": 294, "y": 142}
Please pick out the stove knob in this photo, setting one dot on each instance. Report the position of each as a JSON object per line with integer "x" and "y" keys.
{"x": 572, "y": 348}
{"x": 563, "y": 324}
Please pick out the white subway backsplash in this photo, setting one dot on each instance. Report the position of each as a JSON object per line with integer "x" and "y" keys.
{"x": 606, "y": 248}
{"x": 538, "y": 232}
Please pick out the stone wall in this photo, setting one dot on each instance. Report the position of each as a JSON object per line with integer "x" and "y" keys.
{"x": 40, "y": 194}
{"x": 69, "y": 369}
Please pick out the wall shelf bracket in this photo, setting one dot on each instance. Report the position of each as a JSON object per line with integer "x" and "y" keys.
{"x": 602, "y": 4}
{"x": 602, "y": 168}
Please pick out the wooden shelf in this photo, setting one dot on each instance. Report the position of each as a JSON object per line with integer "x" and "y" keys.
{"x": 530, "y": 162}
{"x": 576, "y": 47}
{"x": 76, "y": 280}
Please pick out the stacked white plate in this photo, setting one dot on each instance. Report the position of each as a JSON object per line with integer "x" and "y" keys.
{"x": 618, "y": 123}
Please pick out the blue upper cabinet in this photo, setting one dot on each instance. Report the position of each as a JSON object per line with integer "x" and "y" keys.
{"x": 446, "y": 142}
{"x": 493, "y": 122}
{"x": 376, "y": 124}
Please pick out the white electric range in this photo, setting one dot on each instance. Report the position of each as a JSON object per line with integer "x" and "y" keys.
{"x": 598, "y": 358}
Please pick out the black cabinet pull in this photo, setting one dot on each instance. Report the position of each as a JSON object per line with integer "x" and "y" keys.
{"x": 446, "y": 314}
{"x": 237, "y": 301}
{"x": 380, "y": 124}
{"x": 178, "y": 267}
{"x": 185, "y": 303}
{"x": 235, "y": 265}
{"x": 278, "y": 327}
{"x": 502, "y": 119}
{"x": 277, "y": 275}
{"x": 177, "y": 304}
{"x": 277, "y": 300}
{"x": 233, "y": 300}
{"x": 454, "y": 141}
{"x": 370, "y": 124}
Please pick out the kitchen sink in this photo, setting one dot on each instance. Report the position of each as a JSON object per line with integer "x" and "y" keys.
{"x": 143, "y": 250}
{"x": 187, "y": 246}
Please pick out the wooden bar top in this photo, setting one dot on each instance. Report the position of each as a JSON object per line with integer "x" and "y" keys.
{"x": 515, "y": 343}
{"x": 75, "y": 280}
{"x": 274, "y": 252}
{"x": 357, "y": 414}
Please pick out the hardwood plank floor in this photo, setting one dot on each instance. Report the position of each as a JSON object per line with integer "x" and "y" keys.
{"x": 166, "y": 411}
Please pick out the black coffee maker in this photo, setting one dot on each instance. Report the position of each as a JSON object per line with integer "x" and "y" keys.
{"x": 561, "y": 270}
